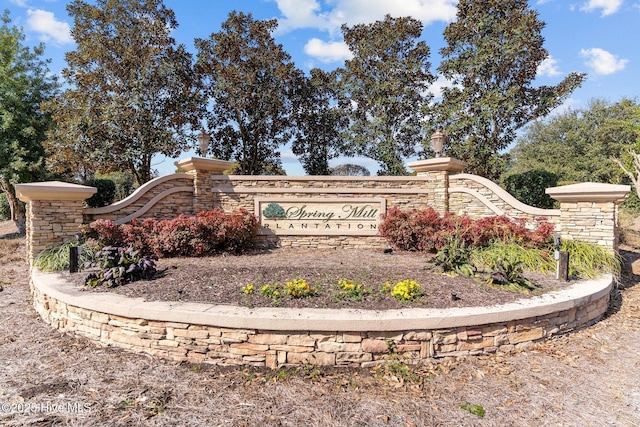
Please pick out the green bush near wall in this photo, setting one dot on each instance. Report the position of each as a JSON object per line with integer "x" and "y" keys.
{"x": 105, "y": 194}
{"x": 529, "y": 187}
{"x": 5, "y": 209}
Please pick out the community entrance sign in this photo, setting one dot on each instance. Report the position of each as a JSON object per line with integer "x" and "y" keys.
{"x": 320, "y": 217}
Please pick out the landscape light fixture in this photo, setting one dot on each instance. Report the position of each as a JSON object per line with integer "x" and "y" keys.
{"x": 437, "y": 142}
{"x": 203, "y": 142}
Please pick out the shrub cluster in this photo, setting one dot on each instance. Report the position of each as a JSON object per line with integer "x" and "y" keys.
{"x": 119, "y": 266}
{"x": 207, "y": 233}
{"x": 425, "y": 230}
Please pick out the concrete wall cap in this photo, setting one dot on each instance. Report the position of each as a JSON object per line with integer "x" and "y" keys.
{"x": 590, "y": 192}
{"x": 53, "y": 190}
{"x": 200, "y": 163}
{"x": 447, "y": 164}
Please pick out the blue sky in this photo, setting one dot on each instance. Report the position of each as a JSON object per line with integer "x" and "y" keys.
{"x": 598, "y": 37}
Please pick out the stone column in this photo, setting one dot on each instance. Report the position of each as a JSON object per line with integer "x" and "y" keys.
{"x": 437, "y": 171}
{"x": 54, "y": 213}
{"x": 203, "y": 171}
{"x": 589, "y": 211}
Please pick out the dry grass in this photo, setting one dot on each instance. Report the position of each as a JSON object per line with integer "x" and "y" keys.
{"x": 586, "y": 378}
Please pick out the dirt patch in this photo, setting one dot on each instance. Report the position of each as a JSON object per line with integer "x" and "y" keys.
{"x": 587, "y": 377}
{"x": 221, "y": 280}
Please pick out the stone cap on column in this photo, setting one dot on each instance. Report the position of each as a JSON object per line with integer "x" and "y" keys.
{"x": 590, "y": 192}
{"x": 200, "y": 163}
{"x": 53, "y": 190}
{"x": 438, "y": 164}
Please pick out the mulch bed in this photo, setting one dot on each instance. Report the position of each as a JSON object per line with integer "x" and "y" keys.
{"x": 220, "y": 280}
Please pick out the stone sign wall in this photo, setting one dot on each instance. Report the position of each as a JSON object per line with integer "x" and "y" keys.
{"x": 320, "y": 211}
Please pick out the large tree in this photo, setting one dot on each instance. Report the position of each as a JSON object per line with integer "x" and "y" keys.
{"x": 384, "y": 90}
{"x": 248, "y": 80}
{"x": 25, "y": 82}
{"x": 319, "y": 123}
{"x": 131, "y": 92}
{"x": 578, "y": 144}
{"x": 492, "y": 53}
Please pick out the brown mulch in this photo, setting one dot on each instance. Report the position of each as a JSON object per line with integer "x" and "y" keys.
{"x": 221, "y": 279}
{"x": 589, "y": 377}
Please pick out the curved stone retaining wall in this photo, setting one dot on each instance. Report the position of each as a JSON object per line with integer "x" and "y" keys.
{"x": 273, "y": 337}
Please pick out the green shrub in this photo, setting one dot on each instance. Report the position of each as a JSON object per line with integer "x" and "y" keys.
{"x": 5, "y": 209}
{"x": 529, "y": 187}
{"x": 532, "y": 259}
{"x": 56, "y": 258}
{"x": 588, "y": 260}
{"x": 105, "y": 194}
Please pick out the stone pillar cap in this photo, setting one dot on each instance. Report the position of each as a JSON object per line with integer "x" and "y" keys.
{"x": 590, "y": 192}
{"x": 53, "y": 190}
{"x": 446, "y": 164}
{"x": 200, "y": 163}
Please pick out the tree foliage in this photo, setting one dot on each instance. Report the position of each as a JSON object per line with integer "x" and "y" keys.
{"x": 319, "y": 123}
{"x": 248, "y": 80}
{"x": 529, "y": 187}
{"x": 578, "y": 144}
{"x": 131, "y": 90}
{"x": 384, "y": 90}
{"x": 25, "y": 82}
{"x": 349, "y": 169}
{"x": 491, "y": 56}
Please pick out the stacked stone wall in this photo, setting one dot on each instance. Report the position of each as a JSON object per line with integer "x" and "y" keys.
{"x": 198, "y": 343}
{"x": 173, "y": 196}
{"x": 51, "y": 222}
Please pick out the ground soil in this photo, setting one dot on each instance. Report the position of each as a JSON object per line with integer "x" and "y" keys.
{"x": 589, "y": 377}
{"x": 221, "y": 280}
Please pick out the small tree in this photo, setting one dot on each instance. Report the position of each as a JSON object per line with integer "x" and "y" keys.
{"x": 493, "y": 50}
{"x": 248, "y": 81}
{"x": 25, "y": 82}
{"x": 384, "y": 90}
{"x": 131, "y": 92}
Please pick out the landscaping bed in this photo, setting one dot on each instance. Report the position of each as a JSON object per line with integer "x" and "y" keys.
{"x": 223, "y": 279}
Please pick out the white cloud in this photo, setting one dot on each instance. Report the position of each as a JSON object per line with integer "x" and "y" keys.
{"x": 608, "y": 7}
{"x": 45, "y": 23}
{"x": 327, "y": 51}
{"x": 568, "y": 105}
{"x": 549, "y": 67}
{"x": 603, "y": 62}
{"x": 21, "y": 3}
{"x": 436, "y": 87}
{"x": 329, "y": 15}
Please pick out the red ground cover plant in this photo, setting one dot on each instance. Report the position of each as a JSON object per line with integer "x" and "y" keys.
{"x": 425, "y": 230}
{"x": 207, "y": 233}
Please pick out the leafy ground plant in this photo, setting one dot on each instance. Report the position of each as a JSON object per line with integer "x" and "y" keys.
{"x": 508, "y": 275}
{"x": 119, "y": 266}
{"x": 454, "y": 258}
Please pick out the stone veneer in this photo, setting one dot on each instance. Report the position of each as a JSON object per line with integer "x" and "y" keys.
{"x": 587, "y": 211}
{"x": 273, "y": 337}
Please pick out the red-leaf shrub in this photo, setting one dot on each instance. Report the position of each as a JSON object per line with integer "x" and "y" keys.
{"x": 207, "y": 233}
{"x": 426, "y": 230}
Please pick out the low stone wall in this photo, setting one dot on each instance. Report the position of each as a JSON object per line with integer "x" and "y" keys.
{"x": 272, "y": 337}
